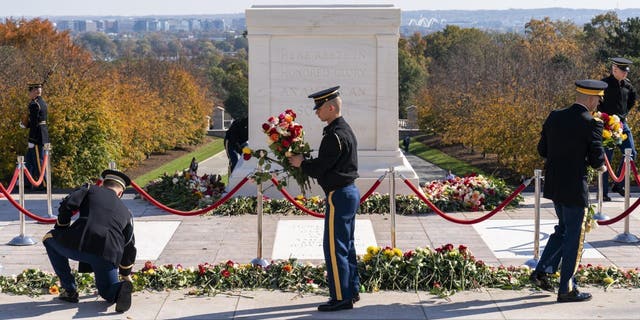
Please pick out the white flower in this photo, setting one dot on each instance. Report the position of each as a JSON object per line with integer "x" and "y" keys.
{"x": 174, "y": 180}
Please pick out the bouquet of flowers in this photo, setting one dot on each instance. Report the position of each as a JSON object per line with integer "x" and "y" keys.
{"x": 612, "y": 133}
{"x": 285, "y": 138}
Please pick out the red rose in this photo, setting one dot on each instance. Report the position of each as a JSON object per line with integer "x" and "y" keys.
{"x": 246, "y": 156}
{"x": 286, "y": 143}
{"x": 225, "y": 273}
{"x": 265, "y": 127}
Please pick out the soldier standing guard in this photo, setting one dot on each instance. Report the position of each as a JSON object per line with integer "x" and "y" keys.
{"x": 36, "y": 122}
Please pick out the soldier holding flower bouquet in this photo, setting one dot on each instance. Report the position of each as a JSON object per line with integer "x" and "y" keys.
{"x": 336, "y": 169}
{"x": 619, "y": 97}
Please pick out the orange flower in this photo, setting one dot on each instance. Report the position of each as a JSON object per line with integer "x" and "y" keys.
{"x": 54, "y": 289}
{"x": 287, "y": 268}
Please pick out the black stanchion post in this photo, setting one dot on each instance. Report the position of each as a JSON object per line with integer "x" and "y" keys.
{"x": 532, "y": 263}
{"x": 21, "y": 240}
{"x": 626, "y": 236}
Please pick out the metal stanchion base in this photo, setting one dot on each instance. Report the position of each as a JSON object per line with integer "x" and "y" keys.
{"x": 531, "y": 263}
{"x": 626, "y": 238}
{"x": 261, "y": 262}
{"x": 600, "y": 216}
{"x": 22, "y": 241}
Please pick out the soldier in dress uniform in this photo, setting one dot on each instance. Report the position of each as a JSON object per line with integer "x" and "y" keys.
{"x": 336, "y": 169}
{"x": 101, "y": 239}
{"x": 234, "y": 140}
{"x": 36, "y": 122}
{"x": 571, "y": 140}
{"x": 619, "y": 97}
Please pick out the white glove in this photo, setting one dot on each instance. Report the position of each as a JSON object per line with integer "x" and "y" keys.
{"x": 602, "y": 169}
{"x": 126, "y": 278}
{"x": 21, "y": 125}
{"x": 31, "y": 145}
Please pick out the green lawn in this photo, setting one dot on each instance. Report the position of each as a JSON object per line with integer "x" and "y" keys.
{"x": 442, "y": 160}
{"x": 204, "y": 152}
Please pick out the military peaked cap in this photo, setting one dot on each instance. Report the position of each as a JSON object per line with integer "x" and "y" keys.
{"x": 320, "y": 97}
{"x": 116, "y": 176}
{"x": 591, "y": 87}
{"x": 622, "y": 63}
{"x": 34, "y": 85}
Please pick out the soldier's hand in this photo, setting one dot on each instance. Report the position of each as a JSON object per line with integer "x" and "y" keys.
{"x": 31, "y": 145}
{"x": 126, "y": 278}
{"x": 602, "y": 169}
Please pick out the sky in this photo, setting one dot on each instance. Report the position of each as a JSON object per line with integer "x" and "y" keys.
{"x": 34, "y": 8}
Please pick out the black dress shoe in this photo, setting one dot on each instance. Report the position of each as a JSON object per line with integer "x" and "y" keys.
{"x": 618, "y": 188}
{"x": 123, "y": 301}
{"x": 541, "y": 280}
{"x": 356, "y": 298}
{"x": 574, "y": 296}
{"x": 606, "y": 198}
{"x": 335, "y": 305}
{"x": 69, "y": 296}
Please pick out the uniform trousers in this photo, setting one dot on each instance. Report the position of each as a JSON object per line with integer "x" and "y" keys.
{"x": 105, "y": 272}
{"x": 565, "y": 244}
{"x": 338, "y": 242}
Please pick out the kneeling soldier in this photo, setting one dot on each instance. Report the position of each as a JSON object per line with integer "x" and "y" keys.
{"x": 101, "y": 239}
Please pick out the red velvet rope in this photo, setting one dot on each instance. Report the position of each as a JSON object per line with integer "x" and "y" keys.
{"x": 42, "y": 172}
{"x": 23, "y": 210}
{"x": 295, "y": 202}
{"x": 461, "y": 221}
{"x": 310, "y": 212}
{"x": 12, "y": 184}
{"x": 612, "y": 173}
{"x": 189, "y": 213}
{"x": 621, "y": 216}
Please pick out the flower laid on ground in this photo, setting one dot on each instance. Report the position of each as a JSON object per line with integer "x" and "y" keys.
{"x": 54, "y": 290}
{"x": 473, "y": 192}
{"x": 612, "y": 133}
{"x": 184, "y": 191}
{"x": 285, "y": 138}
{"x": 442, "y": 271}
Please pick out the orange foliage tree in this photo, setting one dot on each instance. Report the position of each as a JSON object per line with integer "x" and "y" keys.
{"x": 98, "y": 111}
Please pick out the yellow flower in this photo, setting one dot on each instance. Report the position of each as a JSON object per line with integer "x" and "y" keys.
{"x": 606, "y": 134}
{"x": 54, "y": 289}
{"x": 367, "y": 257}
{"x": 397, "y": 252}
{"x": 388, "y": 252}
{"x": 608, "y": 280}
{"x": 150, "y": 271}
{"x": 373, "y": 250}
{"x": 299, "y": 197}
{"x": 246, "y": 150}
{"x": 616, "y": 126}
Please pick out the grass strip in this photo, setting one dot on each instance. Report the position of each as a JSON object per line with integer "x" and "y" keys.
{"x": 202, "y": 153}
